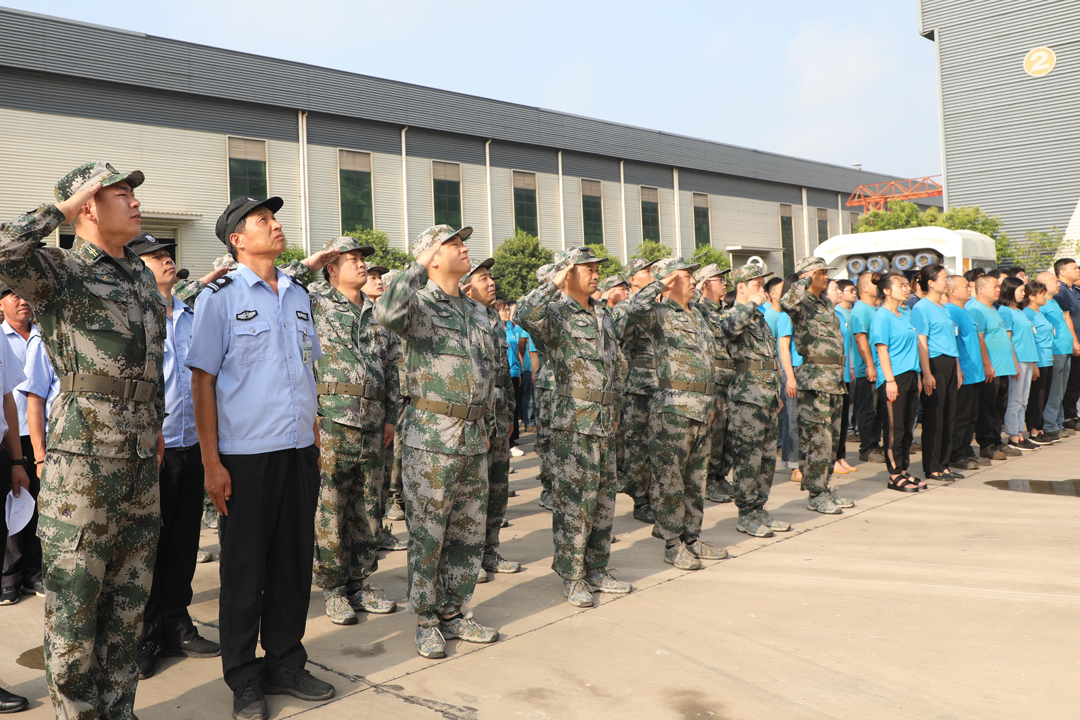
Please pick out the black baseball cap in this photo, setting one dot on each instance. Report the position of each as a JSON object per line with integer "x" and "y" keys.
{"x": 146, "y": 243}
{"x": 5, "y": 290}
{"x": 237, "y": 210}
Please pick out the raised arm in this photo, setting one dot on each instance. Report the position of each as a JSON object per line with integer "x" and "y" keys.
{"x": 534, "y": 315}
{"x": 793, "y": 301}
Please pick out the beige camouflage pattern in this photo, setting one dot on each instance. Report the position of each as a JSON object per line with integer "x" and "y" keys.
{"x": 437, "y": 235}
{"x": 92, "y": 172}
{"x": 815, "y": 332}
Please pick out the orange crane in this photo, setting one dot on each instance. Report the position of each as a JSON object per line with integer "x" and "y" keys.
{"x": 878, "y": 195}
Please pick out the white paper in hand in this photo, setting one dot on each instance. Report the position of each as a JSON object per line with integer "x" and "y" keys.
{"x": 19, "y": 510}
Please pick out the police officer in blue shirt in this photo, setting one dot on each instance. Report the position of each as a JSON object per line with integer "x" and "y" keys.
{"x": 167, "y": 627}
{"x": 253, "y": 343}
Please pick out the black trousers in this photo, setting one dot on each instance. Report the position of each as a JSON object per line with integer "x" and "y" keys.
{"x": 939, "y": 415}
{"x": 167, "y": 621}
{"x": 519, "y": 391}
{"x": 866, "y": 411}
{"x": 267, "y": 549}
{"x": 1072, "y": 391}
{"x": 841, "y": 445}
{"x": 22, "y": 552}
{"x": 967, "y": 411}
{"x": 993, "y": 397}
{"x": 897, "y": 417}
{"x": 1040, "y": 391}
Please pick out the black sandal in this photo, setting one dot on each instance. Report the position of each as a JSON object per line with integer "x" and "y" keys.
{"x": 902, "y": 484}
{"x": 951, "y": 476}
{"x": 918, "y": 482}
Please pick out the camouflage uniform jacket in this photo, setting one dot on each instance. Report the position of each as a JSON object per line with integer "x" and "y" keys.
{"x": 637, "y": 348}
{"x": 96, "y": 320}
{"x": 542, "y": 378}
{"x": 580, "y": 345}
{"x": 713, "y": 314}
{"x": 749, "y": 339}
{"x": 505, "y": 402}
{"x": 684, "y": 352}
{"x": 448, "y": 358}
{"x": 816, "y": 332}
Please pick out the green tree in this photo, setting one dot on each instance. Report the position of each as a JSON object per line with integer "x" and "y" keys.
{"x": 708, "y": 255}
{"x": 652, "y": 250}
{"x": 903, "y": 214}
{"x": 1035, "y": 253}
{"x": 611, "y": 267}
{"x": 516, "y": 261}
{"x": 384, "y": 255}
{"x": 290, "y": 254}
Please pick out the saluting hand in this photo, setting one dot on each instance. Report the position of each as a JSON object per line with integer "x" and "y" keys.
{"x": 560, "y": 277}
{"x": 428, "y": 255}
{"x": 317, "y": 261}
{"x": 73, "y": 205}
{"x": 214, "y": 275}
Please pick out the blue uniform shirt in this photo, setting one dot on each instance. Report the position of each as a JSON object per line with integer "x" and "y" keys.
{"x": 19, "y": 348}
{"x": 179, "y": 427}
{"x": 898, "y": 335}
{"x": 1062, "y": 336}
{"x": 11, "y": 375}
{"x": 998, "y": 345}
{"x": 934, "y": 321}
{"x": 1044, "y": 337}
{"x": 780, "y": 324}
{"x": 1023, "y": 333}
{"x": 967, "y": 345}
{"x": 862, "y": 315}
{"x": 41, "y": 379}
{"x": 845, "y": 327}
{"x": 260, "y": 346}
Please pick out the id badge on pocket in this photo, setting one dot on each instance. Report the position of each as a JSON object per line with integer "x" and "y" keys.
{"x": 305, "y": 350}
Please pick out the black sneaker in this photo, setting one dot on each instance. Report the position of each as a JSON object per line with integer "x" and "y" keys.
{"x": 1040, "y": 440}
{"x": 146, "y": 659}
{"x": 248, "y": 702}
{"x": 9, "y": 596}
{"x": 1054, "y": 436}
{"x": 11, "y": 703}
{"x": 196, "y": 647}
{"x": 297, "y": 682}
{"x": 34, "y": 588}
{"x": 1071, "y": 423}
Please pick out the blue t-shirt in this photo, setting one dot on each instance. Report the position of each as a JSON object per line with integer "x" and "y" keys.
{"x": 934, "y": 321}
{"x": 998, "y": 345}
{"x": 1062, "y": 337}
{"x": 898, "y": 335}
{"x": 511, "y": 350}
{"x": 967, "y": 345}
{"x": 845, "y": 327}
{"x": 780, "y": 324}
{"x": 1044, "y": 336}
{"x": 1023, "y": 333}
{"x": 862, "y": 315}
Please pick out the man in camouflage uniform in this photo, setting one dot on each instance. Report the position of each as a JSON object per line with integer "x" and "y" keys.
{"x": 635, "y": 474}
{"x": 544, "y": 383}
{"x": 614, "y": 290}
{"x": 479, "y": 285}
{"x": 448, "y": 350}
{"x": 711, "y": 290}
{"x": 820, "y": 379}
{"x": 753, "y": 402}
{"x": 100, "y": 311}
{"x": 393, "y": 505}
{"x": 680, "y": 411}
{"x": 578, "y": 340}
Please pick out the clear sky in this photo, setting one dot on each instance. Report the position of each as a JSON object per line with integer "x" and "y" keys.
{"x": 837, "y": 81}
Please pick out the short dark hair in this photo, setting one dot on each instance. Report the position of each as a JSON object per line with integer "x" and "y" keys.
{"x": 729, "y": 299}
{"x": 1061, "y": 264}
{"x": 789, "y": 281}
{"x": 1008, "y": 291}
{"x": 928, "y": 273}
{"x": 974, "y": 274}
{"x": 886, "y": 281}
{"x": 1014, "y": 271}
{"x": 771, "y": 283}
{"x": 995, "y": 273}
{"x": 843, "y": 285}
{"x": 1032, "y": 289}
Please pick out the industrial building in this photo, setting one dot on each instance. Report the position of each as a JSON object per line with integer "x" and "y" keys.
{"x": 347, "y": 150}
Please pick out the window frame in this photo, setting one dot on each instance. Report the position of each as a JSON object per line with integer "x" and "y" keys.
{"x": 371, "y": 156}
{"x": 460, "y": 194}
{"x": 229, "y": 157}
{"x": 581, "y": 195}
{"x": 536, "y": 196}
{"x": 784, "y": 249}
{"x": 708, "y": 217}
{"x": 641, "y": 213}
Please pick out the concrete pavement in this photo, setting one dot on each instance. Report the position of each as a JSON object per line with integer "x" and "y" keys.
{"x": 959, "y": 602}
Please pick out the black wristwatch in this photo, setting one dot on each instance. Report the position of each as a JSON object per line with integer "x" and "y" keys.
{"x": 21, "y": 461}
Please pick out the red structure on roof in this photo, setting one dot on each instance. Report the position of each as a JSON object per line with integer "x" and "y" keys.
{"x": 878, "y": 195}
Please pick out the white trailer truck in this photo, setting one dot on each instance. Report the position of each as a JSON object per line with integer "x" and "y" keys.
{"x": 907, "y": 250}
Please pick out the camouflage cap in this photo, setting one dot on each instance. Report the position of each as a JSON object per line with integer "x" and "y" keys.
{"x": 372, "y": 267}
{"x": 389, "y": 275}
{"x": 638, "y": 264}
{"x": 710, "y": 271}
{"x": 748, "y": 272}
{"x": 225, "y": 261}
{"x": 665, "y": 266}
{"x": 545, "y": 272}
{"x": 90, "y": 173}
{"x": 611, "y": 282}
{"x": 438, "y": 234}
{"x": 576, "y": 256}
{"x": 474, "y": 266}
{"x": 810, "y": 263}
{"x": 346, "y": 244}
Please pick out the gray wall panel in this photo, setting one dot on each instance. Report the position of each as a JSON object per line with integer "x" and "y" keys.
{"x": 337, "y": 131}
{"x": 658, "y": 176}
{"x": 739, "y": 187}
{"x": 444, "y": 146}
{"x": 822, "y": 198}
{"x": 593, "y": 167}
{"x": 524, "y": 157}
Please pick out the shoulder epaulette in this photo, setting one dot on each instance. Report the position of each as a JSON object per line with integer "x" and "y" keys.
{"x": 221, "y": 282}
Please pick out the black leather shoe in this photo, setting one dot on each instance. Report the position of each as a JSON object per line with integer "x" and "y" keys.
{"x": 146, "y": 659}
{"x": 10, "y": 702}
{"x": 248, "y": 702}
{"x": 297, "y": 682}
{"x": 196, "y": 647}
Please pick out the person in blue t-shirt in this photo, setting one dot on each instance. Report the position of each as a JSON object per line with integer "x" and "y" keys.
{"x": 506, "y": 313}
{"x": 994, "y": 393}
{"x": 863, "y": 368}
{"x": 780, "y": 324}
{"x": 1022, "y": 334}
{"x": 1054, "y": 414}
{"x": 1044, "y": 345}
{"x": 973, "y": 365}
{"x": 897, "y": 366}
{"x": 941, "y": 373}
{"x": 1068, "y": 274}
{"x": 842, "y": 295}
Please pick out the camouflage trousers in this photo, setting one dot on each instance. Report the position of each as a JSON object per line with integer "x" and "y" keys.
{"x": 752, "y": 434}
{"x": 819, "y": 432}
{"x": 544, "y": 400}
{"x": 633, "y": 452}
{"x": 99, "y": 525}
{"x": 446, "y": 508}
{"x": 392, "y": 492}
{"x": 680, "y": 460}
{"x": 719, "y": 455}
{"x": 349, "y": 514}
{"x": 498, "y": 489}
{"x": 584, "y": 494}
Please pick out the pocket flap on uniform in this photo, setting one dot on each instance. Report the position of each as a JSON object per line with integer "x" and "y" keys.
{"x": 251, "y": 328}
{"x": 61, "y": 535}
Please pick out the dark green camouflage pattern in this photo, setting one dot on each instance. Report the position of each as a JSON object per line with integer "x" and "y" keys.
{"x": 819, "y": 433}
{"x": 815, "y": 330}
{"x": 92, "y": 172}
{"x": 498, "y": 490}
{"x": 680, "y": 449}
{"x": 584, "y": 498}
{"x": 719, "y": 458}
{"x": 633, "y": 456}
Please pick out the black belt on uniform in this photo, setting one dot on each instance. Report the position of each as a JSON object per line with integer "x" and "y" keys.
{"x": 461, "y": 412}
{"x": 136, "y": 390}
{"x": 596, "y": 396}
{"x": 370, "y": 392}
{"x": 642, "y": 364}
{"x": 707, "y": 388}
{"x": 824, "y": 359}
{"x": 724, "y": 364}
{"x": 754, "y": 365}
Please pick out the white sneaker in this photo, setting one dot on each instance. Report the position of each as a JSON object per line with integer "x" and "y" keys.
{"x": 516, "y": 452}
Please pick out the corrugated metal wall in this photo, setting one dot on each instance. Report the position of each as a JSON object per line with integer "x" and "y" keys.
{"x": 657, "y": 176}
{"x": 474, "y": 205}
{"x": 591, "y": 167}
{"x": 740, "y": 187}
{"x": 352, "y": 133}
{"x": 444, "y": 146}
{"x": 667, "y": 218}
{"x": 572, "y": 211}
{"x": 502, "y": 203}
{"x": 686, "y": 223}
{"x": 387, "y": 193}
{"x": 547, "y": 201}
{"x": 612, "y": 218}
{"x": 283, "y": 180}
{"x": 419, "y": 196}
{"x": 800, "y": 235}
{"x": 324, "y": 195}
{"x": 744, "y": 222}
{"x": 524, "y": 157}
{"x": 633, "y": 218}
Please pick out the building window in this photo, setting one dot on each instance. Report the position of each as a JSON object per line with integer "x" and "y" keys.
{"x": 650, "y": 214}
{"x": 702, "y": 234}
{"x": 592, "y": 212}
{"x": 787, "y": 239}
{"x": 446, "y": 187}
{"x": 354, "y": 171}
{"x": 822, "y": 225}
{"x": 247, "y": 168}
{"x": 525, "y": 212}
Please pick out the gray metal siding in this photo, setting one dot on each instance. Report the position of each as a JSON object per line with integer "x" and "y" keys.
{"x": 590, "y": 167}
{"x": 658, "y": 176}
{"x": 353, "y": 133}
{"x": 820, "y": 198}
{"x": 164, "y": 64}
{"x": 740, "y": 187}
{"x": 444, "y": 146}
{"x": 524, "y": 157}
